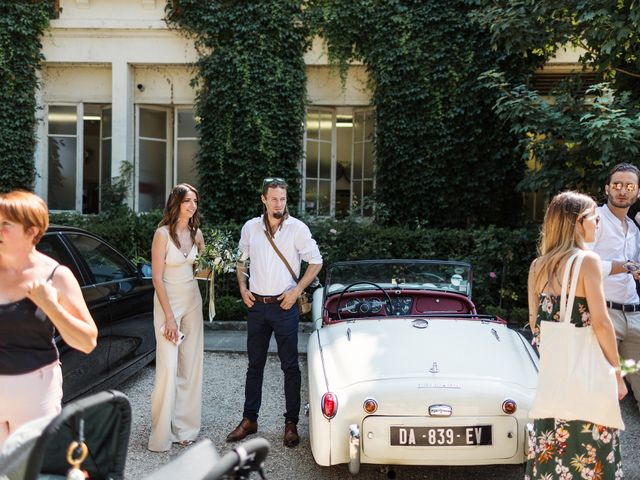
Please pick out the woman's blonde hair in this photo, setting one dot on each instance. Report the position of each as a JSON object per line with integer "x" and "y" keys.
{"x": 27, "y": 209}
{"x": 560, "y": 236}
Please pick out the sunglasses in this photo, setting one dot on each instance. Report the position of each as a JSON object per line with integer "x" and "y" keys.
{"x": 269, "y": 180}
{"x": 630, "y": 187}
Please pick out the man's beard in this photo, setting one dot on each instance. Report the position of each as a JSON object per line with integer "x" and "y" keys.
{"x": 277, "y": 215}
{"x": 625, "y": 203}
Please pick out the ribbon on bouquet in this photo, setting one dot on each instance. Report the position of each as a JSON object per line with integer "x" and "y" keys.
{"x": 212, "y": 300}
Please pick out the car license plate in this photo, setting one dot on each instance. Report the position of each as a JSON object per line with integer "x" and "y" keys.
{"x": 441, "y": 436}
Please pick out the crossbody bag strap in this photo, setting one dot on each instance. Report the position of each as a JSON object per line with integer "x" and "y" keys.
{"x": 566, "y": 303}
{"x": 284, "y": 260}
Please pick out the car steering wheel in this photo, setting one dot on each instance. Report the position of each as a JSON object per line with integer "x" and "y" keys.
{"x": 362, "y": 283}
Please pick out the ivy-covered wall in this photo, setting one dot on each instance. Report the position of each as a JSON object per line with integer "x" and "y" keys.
{"x": 250, "y": 100}
{"x": 21, "y": 26}
{"x": 443, "y": 157}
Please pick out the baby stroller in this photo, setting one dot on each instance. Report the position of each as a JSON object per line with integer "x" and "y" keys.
{"x": 92, "y": 433}
{"x": 202, "y": 462}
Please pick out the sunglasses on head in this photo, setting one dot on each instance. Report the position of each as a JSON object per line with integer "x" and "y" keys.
{"x": 269, "y": 180}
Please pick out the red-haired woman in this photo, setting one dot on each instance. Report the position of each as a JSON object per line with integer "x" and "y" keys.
{"x": 38, "y": 296}
{"x": 176, "y": 402}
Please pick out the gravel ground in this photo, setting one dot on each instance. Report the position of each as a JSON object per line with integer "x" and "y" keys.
{"x": 222, "y": 410}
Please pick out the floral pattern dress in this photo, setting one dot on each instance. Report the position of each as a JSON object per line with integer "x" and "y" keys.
{"x": 570, "y": 450}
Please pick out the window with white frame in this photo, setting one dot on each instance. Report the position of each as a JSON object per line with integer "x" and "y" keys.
{"x": 339, "y": 160}
{"x": 166, "y": 149}
{"x": 78, "y": 155}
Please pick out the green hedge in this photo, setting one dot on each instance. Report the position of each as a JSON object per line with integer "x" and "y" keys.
{"x": 500, "y": 257}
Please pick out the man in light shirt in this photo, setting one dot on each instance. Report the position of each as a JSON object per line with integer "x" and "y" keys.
{"x": 271, "y": 298}
{"x": 617, "y": 243}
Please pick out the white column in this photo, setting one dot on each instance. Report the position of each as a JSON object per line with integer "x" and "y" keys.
{"x": 122, "y": 120}
{"x": 40, "y": 153}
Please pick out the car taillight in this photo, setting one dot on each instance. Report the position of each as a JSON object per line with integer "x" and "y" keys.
{"x": 509, "y": 406}
{"x": 329, "y": 405}
{"x": 370, "y": 405}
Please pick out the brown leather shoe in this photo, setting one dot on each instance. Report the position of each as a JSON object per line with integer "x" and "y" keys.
{"x": 291, "y": 437}
{"x": 244, "y": 428}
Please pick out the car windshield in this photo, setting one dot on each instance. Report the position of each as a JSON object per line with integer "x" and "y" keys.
{"x": 404, "y": 274}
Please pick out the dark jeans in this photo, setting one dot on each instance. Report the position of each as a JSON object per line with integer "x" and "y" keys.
{"x": 264, "y": 319}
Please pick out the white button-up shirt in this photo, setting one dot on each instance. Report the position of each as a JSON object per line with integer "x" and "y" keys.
{"x": 268, "y": 275}
{"x": 613, "y": 244}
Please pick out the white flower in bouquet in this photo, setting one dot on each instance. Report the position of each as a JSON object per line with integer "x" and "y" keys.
{"x": 220, "y": 254}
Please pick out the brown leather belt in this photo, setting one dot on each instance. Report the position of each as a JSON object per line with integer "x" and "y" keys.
{"x": 266, "y": 298}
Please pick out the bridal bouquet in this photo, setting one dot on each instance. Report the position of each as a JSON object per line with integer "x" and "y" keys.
{"x": 220, "y": 255}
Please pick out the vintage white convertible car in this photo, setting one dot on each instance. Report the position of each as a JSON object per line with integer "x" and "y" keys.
{"x": 403, "y": 370}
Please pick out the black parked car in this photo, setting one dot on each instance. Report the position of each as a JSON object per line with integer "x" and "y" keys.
{"x": 120, "y": 298}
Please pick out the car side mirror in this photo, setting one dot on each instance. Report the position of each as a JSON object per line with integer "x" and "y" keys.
{"x": 144, "y": 270}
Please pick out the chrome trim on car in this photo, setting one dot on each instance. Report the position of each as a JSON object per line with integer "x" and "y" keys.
{"x": 440, "y": 410}
{"x": 354, "y": 449}
{"x": 420, "y": 323}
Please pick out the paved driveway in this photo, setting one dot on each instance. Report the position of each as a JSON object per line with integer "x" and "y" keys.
{"x": 223, "y": 397}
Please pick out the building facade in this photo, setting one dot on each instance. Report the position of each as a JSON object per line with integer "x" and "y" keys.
{"x": 115, "y": 89}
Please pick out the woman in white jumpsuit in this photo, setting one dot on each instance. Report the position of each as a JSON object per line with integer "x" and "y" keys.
{"x": 176, "y": 402}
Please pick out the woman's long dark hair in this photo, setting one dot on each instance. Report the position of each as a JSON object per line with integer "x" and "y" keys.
{"x": 172, "y": 212}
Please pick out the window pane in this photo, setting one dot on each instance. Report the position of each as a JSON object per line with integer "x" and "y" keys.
{"x": 106, "y": 123}
{"x": 187, "y": 124}
{"x": 368, "y": 160}
{"x": 62, "y": 173}
{"x": 52, "y": 246}
{"x": 152, "y": 175}
{"x": 105, "y": 169}
{"x": 312, "y": 159}
{"x": 325, "y": 160}
{"x": 324, "y": 197}
{"x": 344, "y": 142}
{"x": 369, "y": 126}
{"x": 310, "y": 199}
{"x": 153, "y": 123}
{"x": 326, "y": 126}
{"x": 312, "y": 124}
{"x": 105, "y": 263}
{"x": 62, "y": 120}
{"x": 357, "y": 160}
{"x": 358, "y": 120}
{"x": 356, "y": 201}
{"x": 187, "y": 151}
{"x": 91, "y": 165}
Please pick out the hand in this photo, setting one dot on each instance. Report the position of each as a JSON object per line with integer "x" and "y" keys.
{"x": 171, "y": 330}
{"x": 42, "y": 293}
{"x": 622, "y": 387}
{"x": 289, "y": 298}
{"x": 247, "y": 297}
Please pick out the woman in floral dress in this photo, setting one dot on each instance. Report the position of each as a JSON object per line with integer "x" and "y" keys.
{"x": 560, "y": 449}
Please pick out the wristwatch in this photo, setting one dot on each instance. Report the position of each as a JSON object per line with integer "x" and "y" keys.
{"x": 631, "y": 267}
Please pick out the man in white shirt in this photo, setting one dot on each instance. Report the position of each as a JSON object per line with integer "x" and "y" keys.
{"x": 271, "y": 298}
{"x": 617, "y": 243}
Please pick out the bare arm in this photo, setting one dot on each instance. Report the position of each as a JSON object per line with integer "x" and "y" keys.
{"x": 62, "y": 301}
{"x": 199, "y": 241}
{"x": 532, "y": 296}
{"x": 601, "y": 323}
{"x": 245, "y": 293}
{"x": 158, "y": 253}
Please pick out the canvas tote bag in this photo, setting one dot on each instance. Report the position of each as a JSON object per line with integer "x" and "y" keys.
{"x": 576, "y": 382}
